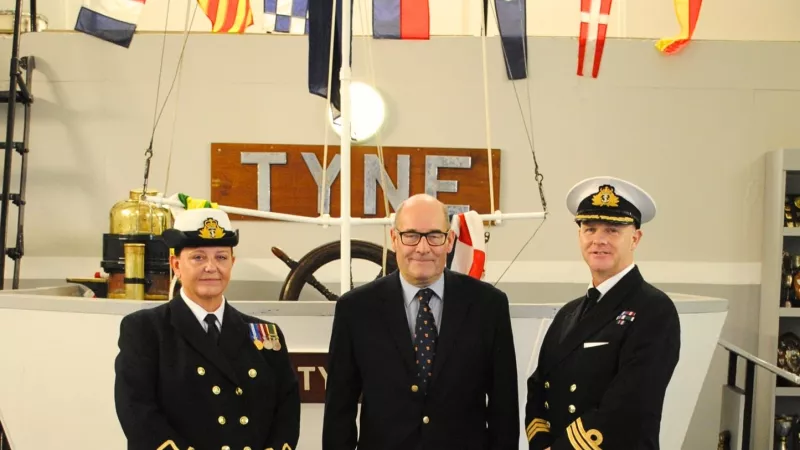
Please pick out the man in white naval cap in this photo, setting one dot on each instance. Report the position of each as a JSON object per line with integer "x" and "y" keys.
{"x": 608, "y": 356}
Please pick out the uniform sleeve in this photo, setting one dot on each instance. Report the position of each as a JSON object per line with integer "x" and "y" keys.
{"x": 537, "y": 426}
{"x": 647, "y": 360}
{"x": 339, "y": 430}
{"x": 285, "y": 426}
{"x": 503, "y": 406}
{"x": 142, "y": 419}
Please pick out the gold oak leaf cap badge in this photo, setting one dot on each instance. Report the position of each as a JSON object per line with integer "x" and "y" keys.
{"x": 201, "y": 227}
{"x": 612, "y": 200}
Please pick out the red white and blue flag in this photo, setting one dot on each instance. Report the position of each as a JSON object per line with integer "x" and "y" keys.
{"x": 110, "y": 20}
{"x": 401, "y": 19}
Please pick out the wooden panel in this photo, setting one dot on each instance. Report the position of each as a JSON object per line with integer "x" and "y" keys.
{"x": 288, "y": 186}
{"x": 311, "y": 374}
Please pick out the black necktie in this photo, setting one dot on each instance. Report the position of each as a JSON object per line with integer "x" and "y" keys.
{"x": 589, "y": 301}
{"x": 213, "y": 331}
{"x": 424, "y": 338}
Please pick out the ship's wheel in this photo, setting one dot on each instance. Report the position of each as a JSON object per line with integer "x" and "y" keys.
{"x": 302, "y": 271}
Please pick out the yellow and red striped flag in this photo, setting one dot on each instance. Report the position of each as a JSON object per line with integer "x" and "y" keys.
{"x": 228, "y": 16}
{"x": 688, "y": 11}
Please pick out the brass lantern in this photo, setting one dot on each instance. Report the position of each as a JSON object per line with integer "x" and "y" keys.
{"x": 134, "y": 254}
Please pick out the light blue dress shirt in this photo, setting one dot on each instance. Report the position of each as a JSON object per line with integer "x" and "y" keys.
{"x": 412, "y": 307}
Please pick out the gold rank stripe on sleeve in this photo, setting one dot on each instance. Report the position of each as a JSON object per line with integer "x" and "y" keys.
{"x": 582, "y": 439}
{"x": 170, "y": 444}
{"x": 285, "y": 447}
{"x": 537, "y": 426}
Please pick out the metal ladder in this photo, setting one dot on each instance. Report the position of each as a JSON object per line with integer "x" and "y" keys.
{"x": 19, "y": 91}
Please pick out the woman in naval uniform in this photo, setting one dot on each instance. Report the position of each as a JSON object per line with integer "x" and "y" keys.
{"x": 195, "y": 373}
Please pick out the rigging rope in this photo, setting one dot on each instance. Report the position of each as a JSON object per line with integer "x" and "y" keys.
{"x": 486, "y": 113}
{"x": 157, "y": 114}
{"x": 187, "y": 25}
{"x": 528, "y": 133}
{"x": 383, "y": 169}
{"x": 323, "y": 183}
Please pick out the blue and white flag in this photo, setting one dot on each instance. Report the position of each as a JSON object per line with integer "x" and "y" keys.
{"x": 286, "y": 16}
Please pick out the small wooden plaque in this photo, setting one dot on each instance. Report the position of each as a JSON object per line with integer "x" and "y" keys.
{"x": 311, "y": 375}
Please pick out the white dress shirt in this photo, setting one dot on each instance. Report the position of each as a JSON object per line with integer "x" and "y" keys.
{"x": 606, "y": 286}
{"x": 201, "y": 313}
{"x": 412, "y": 307}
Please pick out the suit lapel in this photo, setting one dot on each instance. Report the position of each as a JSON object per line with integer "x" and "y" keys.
{"x": 394, "y": 313}
{"x": 454, "y": 309}
{"x": 570, "y": 321}
{"x": 187, "y": 325}
{"x": 598, "y": 317}
{"x": 235, "y": 332}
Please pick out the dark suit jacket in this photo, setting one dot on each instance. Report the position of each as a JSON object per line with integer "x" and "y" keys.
{"x": 611, "y": 390}
{"x": 372, "y": 354}
{"x": 172, "y": 384}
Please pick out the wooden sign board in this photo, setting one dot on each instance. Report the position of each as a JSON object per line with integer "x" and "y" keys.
{"x": 285, "y": 178}
{"x": 311, "y": 375}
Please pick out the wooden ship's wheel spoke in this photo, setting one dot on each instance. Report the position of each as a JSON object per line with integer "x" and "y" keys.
{"x": 302, "y": 271}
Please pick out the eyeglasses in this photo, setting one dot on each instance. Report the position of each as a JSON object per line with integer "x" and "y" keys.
{"x": 434, "y": 238}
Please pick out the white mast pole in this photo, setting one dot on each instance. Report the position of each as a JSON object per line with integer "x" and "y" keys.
{"x": 344, "y": 76}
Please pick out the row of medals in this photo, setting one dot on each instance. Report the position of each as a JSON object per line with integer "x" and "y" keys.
{"x": 273, "y": 343}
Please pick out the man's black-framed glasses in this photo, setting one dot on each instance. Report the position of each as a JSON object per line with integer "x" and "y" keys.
{"x": 435, "y": 238}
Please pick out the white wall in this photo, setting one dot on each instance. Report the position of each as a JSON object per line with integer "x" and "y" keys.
{"x": 774, "y": 20}
{"x": 692, "y": 129}
{"x": 707, "y": 115}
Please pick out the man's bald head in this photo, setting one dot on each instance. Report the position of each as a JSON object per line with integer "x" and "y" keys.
{"x": 422, "y": 204}
{"x": 421, "y": 239}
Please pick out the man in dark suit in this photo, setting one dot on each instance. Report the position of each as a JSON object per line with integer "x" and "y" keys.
{"x": 195, "y": 373}
{"x": 607, "y": 358}
{"x": 423, "y": 348}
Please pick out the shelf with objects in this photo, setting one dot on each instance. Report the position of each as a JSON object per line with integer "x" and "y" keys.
{"x": 777, "y": 413}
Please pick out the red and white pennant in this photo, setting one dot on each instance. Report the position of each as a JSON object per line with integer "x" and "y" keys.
{"x": 594, "y": 24}
{"x": 469, "y": 252}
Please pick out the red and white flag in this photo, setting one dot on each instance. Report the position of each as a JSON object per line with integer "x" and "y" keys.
{"x": 594, "y": 24}
{"x": 469, "y": 252}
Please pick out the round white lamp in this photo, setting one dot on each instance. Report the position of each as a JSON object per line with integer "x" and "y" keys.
{"x": 368, "y": 113}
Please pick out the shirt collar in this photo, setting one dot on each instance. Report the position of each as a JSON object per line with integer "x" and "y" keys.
{"x": 201, "y": 313}
{"x": 409, "y": 290}
{"x": 606, "y": 286}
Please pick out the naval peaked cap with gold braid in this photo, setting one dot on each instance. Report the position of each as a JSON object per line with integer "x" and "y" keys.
{"x": 202, "y": 227}
{"x": 609, "y": 199}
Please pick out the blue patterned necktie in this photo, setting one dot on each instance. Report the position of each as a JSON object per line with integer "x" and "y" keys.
{"x": 424, "y": 338}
